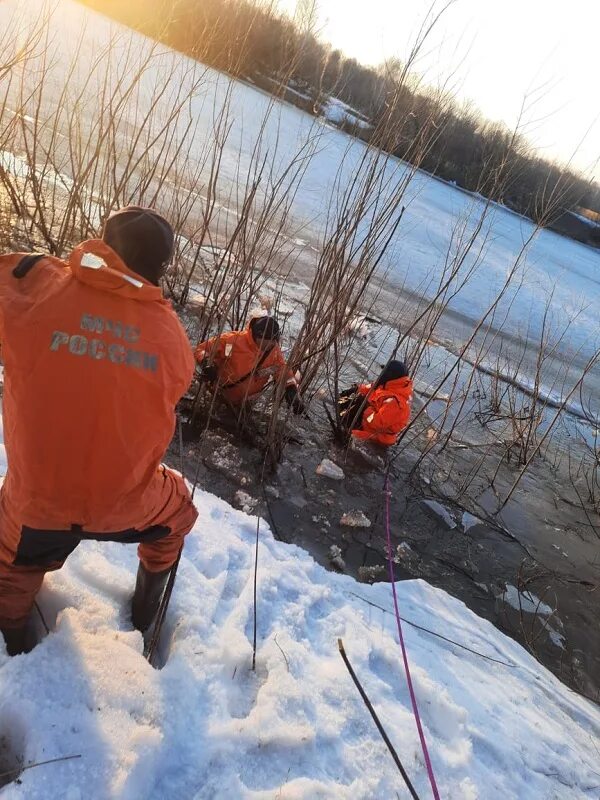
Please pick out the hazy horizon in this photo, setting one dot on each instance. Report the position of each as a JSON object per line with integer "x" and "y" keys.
{"x": 496, "y": 57}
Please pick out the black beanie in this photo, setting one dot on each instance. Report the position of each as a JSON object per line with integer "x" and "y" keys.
{"x": 391, "y": 372}
{"x": 265, "y": 328}
{"x": 142, "y": 238}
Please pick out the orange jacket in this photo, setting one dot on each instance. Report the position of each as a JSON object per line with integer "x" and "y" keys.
{"x": 95, "y": 360}
{"x": 235, "y": 355}
{"x": 387, "y": 411}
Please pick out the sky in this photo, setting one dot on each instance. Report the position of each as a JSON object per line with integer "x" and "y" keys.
{"x": 507, "y": 55}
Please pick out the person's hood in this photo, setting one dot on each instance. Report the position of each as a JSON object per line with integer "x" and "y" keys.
{"x": 399, "y": 386}
{"x": 267, "y": 324}
{"x": 250, "y": 336}
{"x": 251, "y": 340}
{"x": 95, "y": 263}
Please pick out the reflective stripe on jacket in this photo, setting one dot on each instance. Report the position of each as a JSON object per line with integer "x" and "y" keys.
{"x": 236, "y": 355}
{"x": 387, "y": 411}
{"x": 95, "y": 361}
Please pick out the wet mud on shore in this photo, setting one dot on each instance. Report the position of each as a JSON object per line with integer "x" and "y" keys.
{"x": 533, "y": 571}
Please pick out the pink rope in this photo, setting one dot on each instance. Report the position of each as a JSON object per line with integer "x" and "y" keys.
{"x": 413, "y": 698}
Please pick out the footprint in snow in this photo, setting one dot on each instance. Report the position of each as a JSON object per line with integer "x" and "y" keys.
{"x": 246, "y": 686}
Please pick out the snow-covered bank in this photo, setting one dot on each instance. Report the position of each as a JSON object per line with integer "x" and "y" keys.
{"x": 205, "y": 726}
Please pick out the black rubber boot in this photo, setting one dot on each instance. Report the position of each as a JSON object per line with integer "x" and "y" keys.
{"x": 149, "y": 587}
{"x": 18, "y": 640}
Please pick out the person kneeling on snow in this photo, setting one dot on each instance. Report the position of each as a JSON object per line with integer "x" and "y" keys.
{"x": 378, "y": 412}
{"x": 240, "y": 364}
{"x": 95, "y": 361}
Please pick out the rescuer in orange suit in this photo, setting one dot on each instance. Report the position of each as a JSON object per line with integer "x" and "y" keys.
{"x": 95, "y": 361}
{"x": 241, "y": 363}
{"x": 379, "y": 412}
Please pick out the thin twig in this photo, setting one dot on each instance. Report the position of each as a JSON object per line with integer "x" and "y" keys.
{"x": 287, "y": 663}
{"x": 181, "y": 460}
{"x": 18, "y": 770}
{"x": 162, "y": 611}
{"x": 254, "y": 609}
{"x": 39, "y": 611}
{"x": 433, "y": 633}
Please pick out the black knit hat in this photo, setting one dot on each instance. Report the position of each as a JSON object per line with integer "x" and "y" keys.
{"x": 265, "y": 328}
{"x": 391, "y": 372}
{"x": 142, "y": 238}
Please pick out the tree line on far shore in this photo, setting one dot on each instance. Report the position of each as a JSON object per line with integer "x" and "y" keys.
{"x": 251, "y": 39}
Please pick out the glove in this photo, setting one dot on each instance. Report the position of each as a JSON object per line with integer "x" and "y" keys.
{"x": 208, "y": 372}
{"x": 294, "y": 401}
{"x": 347, "y": 393}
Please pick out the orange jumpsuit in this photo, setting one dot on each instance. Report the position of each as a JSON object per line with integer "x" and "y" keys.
{"x": 387, "y": 411}
{"x": 242, "y": 373}
{"x": 95, "y": 361}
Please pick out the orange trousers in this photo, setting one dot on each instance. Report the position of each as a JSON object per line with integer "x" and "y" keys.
{"x": 26, "y": 554}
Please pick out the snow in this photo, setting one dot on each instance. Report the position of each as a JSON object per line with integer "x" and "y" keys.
{"x": 355, "y": 519}
{"x": 335, "y": 556}
{"x": 244, "y": 501}
{"x": 469, "y": 521}
{"x": 583, "y": 218}
{"x": 205, "y": 726}
{"x": 301, "y": 95}
{"x": 338, "y": 112}
{"x": 439, "y": 510}
{"x": 328, "y": 469}
{"x": 528, "y": 603}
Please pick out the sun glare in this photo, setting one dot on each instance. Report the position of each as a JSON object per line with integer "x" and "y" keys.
{"x": 509, "y": 61}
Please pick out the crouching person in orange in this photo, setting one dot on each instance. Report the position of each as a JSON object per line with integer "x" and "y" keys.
{"x": 240, "y": 364}
{"x": 378, "y": 412}
{"x": 95, "y": 361}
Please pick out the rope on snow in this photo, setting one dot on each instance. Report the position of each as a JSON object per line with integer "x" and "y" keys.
{"x": 434, "y": 633}
{"x": 254, "y": 606}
